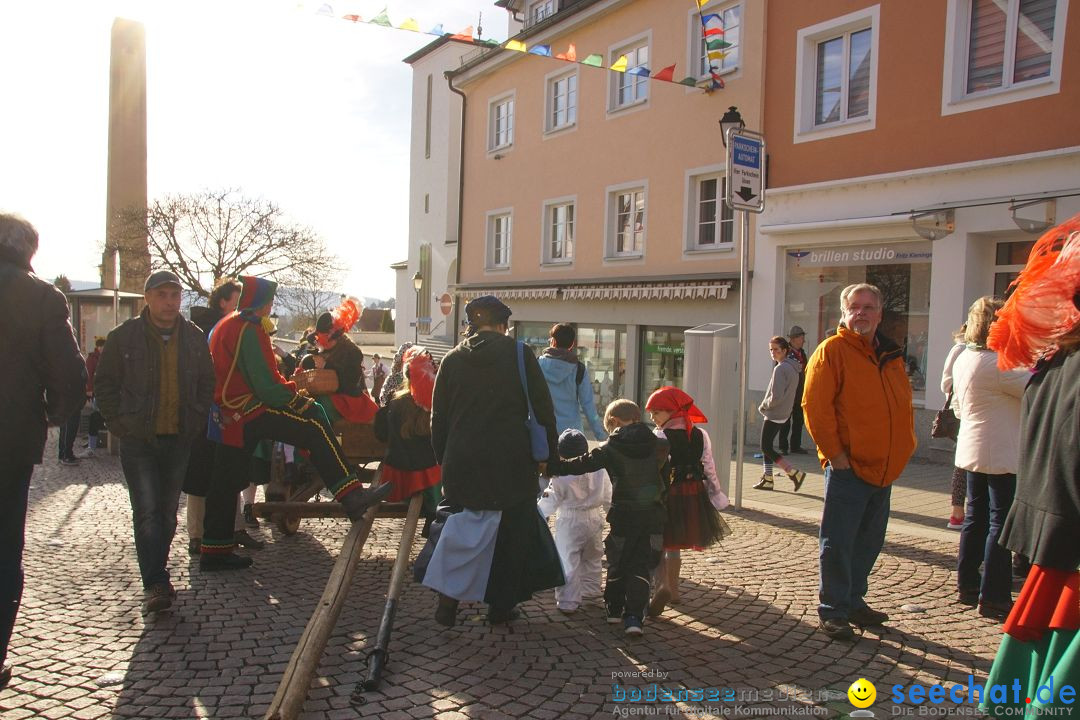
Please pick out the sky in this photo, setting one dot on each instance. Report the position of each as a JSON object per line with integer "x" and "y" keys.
{"x": 266, "y": 96}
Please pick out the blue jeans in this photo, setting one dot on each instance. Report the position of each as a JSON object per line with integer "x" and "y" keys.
{"x": 853, "y": 524}
{"x": 154, "y": 473}
{"x": 989, "y": 498}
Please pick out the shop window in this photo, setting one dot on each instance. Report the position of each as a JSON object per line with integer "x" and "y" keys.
{"x": 816, "y": 276}
{"x": 662, "y": 351}
{"x": 1010, "y": 258}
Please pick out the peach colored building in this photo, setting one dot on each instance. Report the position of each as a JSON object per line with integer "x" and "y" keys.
{"x": 593, "y": 196}
{"x": 918, "y": 145}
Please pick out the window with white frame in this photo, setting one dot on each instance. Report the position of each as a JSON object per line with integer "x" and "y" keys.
{"x": 501, "y": 123}
{"x": 1001, "y": 51}
{"x": 540, "y": 10}
{"x": 559, "y": 232}
{"x": 627, "y": 210}
{"x": 628, "y": 88}
{"x": 712, "y": 221}
{"x": 728, "y": 19}
{"x": 499, "y": 232}
{"x": 836, "y": 76}
{"x": 561, "y": 101}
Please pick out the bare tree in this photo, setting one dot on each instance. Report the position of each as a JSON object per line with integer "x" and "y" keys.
{"x": 310, "y": 293}
{"x": 62, "y": 283}
{"x": 214, "y": 234}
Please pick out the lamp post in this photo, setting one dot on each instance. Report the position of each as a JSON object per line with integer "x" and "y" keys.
{"x": 732, "y": 120}
{"x": 417, "y": 283}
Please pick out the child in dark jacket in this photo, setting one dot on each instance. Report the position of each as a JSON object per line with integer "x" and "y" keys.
{"x": 633, "y": 457}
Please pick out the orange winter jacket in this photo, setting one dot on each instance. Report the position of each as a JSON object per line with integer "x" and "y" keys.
{"x": 857, "y": 401}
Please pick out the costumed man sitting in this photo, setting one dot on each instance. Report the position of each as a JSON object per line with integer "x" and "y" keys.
{"x": 253, "y": 402}
{"x": 337, "y": 352}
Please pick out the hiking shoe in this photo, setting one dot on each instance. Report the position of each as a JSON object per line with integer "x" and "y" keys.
{"x": 765, "y": 483}
{"x": 158, "y": 597}
{"x": 837, "y": 629}
{"x": 798, "y": 478}
{"x": 659, "y": 602}
{"x": 867, "y": 616}
{"x": 249, "y": 516}
{"x": 243, "y": 539}
{"x": 194, "y": 547}
{"x": 357, "y": 502}
{"x": 614, "y": 614}
{"x": 632, "y": 625}
{"x": 223, "y": 561}
{"x": 446, "y": 611}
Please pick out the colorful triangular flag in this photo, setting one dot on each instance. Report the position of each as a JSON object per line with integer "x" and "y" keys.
{"x": 706, "y": 19}
{"x": 465, "y": 34}
{"x": 351, "y": 18}
{"x": 713, "y": 31}
{"x": 718, "y": 44}
{"x": 716, "y": 54}
{"x": 325, "y": 9}
{"x": 515, "y": 45}
{"x": 594, "y": 60}
{"x": 570, "y": 54}
{"x": 381, "y": 19}
{"x": 665, "y": 74}
{"x": 544, "y": 50}
{"x": 409, "y": 24}
{"x": 640, "y": 70}
{"x": 689, "y": 81}
{"x": 437, "y": 30}
{"x": 620, "y": 64}
{"x": 702, "y": 3}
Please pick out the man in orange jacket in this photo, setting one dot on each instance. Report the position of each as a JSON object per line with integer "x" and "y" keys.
{"x": 857, "y": 404}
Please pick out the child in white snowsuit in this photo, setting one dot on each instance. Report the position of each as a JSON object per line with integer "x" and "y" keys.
{"x": 580, "y": 502}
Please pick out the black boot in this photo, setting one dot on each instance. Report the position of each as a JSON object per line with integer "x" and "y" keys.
{"x": 446, "y": 611}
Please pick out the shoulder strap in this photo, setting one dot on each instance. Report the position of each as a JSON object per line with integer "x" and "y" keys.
{"x": 580, "y": 372}
{"x": 521, "y": 374}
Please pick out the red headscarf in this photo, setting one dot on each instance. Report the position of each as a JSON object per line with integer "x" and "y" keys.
{"x": 421, "y": 372}
{"x": 1043, "y": 305}
{"x": 679, "y": 404}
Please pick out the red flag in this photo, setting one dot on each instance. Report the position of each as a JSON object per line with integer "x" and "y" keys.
{"x": 570, "y": 54}
{"x": 466, "y": 35}
{"x": 666, "y": 74}
{"x": 351, "y": 18}
{"x": 713, "y": 31}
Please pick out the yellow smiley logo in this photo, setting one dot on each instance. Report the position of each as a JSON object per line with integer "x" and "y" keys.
{"x": 862, "y": 693}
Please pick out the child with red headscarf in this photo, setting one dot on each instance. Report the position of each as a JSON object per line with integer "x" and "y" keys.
{"x": 694, "y": 494}
{"x": 404, "y": 424}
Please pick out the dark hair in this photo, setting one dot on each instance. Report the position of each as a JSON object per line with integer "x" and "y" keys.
{"x": 563, "y": 334}
{"x": 415, "y": 420}
{"x": 225, "y": 290}
{"x": 99, "y": 342}
{"x": 781, "y": 341}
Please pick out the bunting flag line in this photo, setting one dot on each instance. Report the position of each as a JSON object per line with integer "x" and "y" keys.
{"x": 711, "y": 27}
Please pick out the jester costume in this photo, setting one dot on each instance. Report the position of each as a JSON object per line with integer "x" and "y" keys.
{"x": 253, "y": 402}
{"x": 1040, "y": 325}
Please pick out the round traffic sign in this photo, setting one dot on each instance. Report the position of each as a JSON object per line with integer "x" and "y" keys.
{"x": 446, "y": 303}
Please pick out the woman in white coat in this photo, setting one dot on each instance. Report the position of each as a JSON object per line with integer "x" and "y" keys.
{"x": 988, "y": 404}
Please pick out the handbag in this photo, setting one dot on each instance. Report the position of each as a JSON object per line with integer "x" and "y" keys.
{"x": 946, "y": 424}
{"x": 537, "y": 433}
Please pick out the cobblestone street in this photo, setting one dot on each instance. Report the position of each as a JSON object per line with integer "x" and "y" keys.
{"x": 746, "y": 621}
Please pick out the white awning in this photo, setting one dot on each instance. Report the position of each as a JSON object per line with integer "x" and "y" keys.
{"x": 696, "y": 290}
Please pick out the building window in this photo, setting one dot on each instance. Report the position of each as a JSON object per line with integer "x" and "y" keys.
{"x": 499, "y": 236}
{"x": 427, "y": 121}
{"x": 629, "y": 88}
{"x": 501, "y": 123}
{"x": 1010, "y": 258}
{"x": 559, "y": 232}
{"x": 1001, "y": 51}
{"x": 561, "y": 101}
{"x": 730, "y": 21}
{"x": 539, "y": 11}
{"x": 712, "y": 222}
{"x": 626, "y": 207}
{"x": 836, "y": 76}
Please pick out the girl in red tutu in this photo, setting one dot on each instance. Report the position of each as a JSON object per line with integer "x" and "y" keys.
{"x": 1040, "y": 325}
{"x": 694, "y": 494}
{"x": 405, "y": 426}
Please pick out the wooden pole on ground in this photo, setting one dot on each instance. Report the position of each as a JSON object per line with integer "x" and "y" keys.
{"x": 293, "y": 690}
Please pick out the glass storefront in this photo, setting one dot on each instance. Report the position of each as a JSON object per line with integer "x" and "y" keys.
{"x": 815, "y": 277}
{"x": 662, "y": 351}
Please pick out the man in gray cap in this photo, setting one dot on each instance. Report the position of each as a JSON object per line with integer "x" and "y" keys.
{"x": 154, "y": 384}
{"x": 791, "y": 432}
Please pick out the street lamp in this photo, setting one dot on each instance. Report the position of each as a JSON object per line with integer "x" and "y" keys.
{"x": 417, "y": 283}
{"x": 732, "y": 120}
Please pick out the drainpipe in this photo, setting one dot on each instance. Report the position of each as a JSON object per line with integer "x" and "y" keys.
{"x": 461, "y": 205}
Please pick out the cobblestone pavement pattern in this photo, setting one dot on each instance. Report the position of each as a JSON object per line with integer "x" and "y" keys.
{"x": 746, "y": 621}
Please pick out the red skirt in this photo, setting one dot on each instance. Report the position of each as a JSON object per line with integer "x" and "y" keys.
{"x": 409, "y": 482}
{"x": 1050, "y": 600}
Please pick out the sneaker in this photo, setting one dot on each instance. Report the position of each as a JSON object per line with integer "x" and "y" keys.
{"x": 249, "y": 516}
{"x": 446, "y": 611}
{"x": 659, "y": 602}
{"x": 798, "y": 478}
{"x": 244, "y": 540}
{"x": 158, "y": 597}
{"x": 632, "y": 625}
{"x": 357, "y": 502}
{"x": 614, "y": 614}
{"x": 223, "y": 561}
{"x": 69, "y": 461}
{"x": 837, "y": 629}
{"x": 765, "y": 483}
{"x": 955, "y": 523}
{"x": 867, "y": 617}
{"x": 194, "y": 547}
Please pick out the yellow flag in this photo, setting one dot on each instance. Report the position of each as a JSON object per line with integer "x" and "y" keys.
{"x": 515, "y": 45}
{"x": 409, "y": 24}
{"x": 702, "y": 3}
{"x": 619, "y": 65}
{"x": 717, "y": 54}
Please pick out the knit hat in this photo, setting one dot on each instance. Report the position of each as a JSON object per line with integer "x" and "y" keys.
{"x": 255, "y": 292}
{"x": 572, "y": 444}
{"x": 486, "y": 310}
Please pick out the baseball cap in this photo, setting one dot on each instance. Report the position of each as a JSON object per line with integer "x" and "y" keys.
{"x": 162, "y": 277}
{"x": 796, "y": 331}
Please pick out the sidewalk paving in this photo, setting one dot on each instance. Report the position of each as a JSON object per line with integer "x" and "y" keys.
{"x": 747, "y": 621}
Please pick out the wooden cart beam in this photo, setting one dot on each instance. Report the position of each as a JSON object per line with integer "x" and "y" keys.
{"x": 268, "y": 510}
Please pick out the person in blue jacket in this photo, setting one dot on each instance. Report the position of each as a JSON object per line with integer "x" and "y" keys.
{"x": 569, "y": 383}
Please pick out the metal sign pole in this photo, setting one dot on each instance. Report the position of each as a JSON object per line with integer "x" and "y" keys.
{"x": 744, "y": 352}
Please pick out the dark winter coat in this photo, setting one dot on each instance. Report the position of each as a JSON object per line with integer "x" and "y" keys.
{"x": 478, "y": 423}
{"x": 414, "y": 453}
{"x": 1043, "y": 524}
{"x": 127, "y": 381}
{"x": 44, "y": 380}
